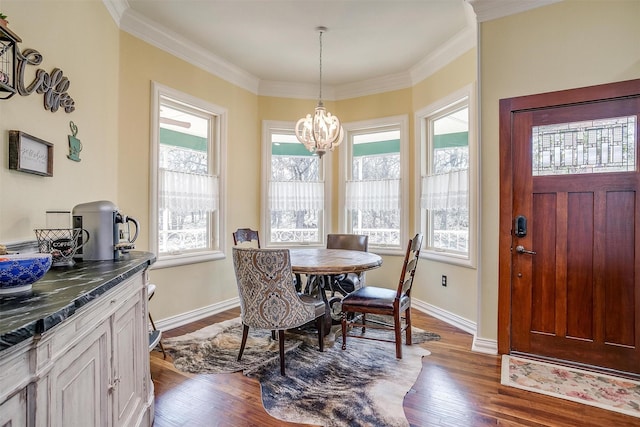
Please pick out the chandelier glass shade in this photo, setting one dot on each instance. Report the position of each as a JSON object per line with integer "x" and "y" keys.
{"x": 321, "y": 132}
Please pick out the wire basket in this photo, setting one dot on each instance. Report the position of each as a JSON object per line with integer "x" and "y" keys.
{"x": 61, "y": 243}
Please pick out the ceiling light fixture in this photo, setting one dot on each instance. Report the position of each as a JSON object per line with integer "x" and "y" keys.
{"x": 322, "y": 132}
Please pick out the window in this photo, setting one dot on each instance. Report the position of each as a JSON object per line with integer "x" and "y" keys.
{"x": 587, "y": 146}
{"x": 376, "y": 186}
{"x": 446, "y": 161}
{"x": 293, "y": 208}
{"x": 188, "y": 137}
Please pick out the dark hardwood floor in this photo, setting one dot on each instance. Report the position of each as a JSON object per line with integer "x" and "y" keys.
{"x": 456, "y": 387}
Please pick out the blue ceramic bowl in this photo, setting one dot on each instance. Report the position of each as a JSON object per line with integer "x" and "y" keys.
{"x": 18, "y": 272}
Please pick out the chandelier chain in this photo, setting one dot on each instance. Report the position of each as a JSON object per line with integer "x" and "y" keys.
{"x": 320, "y": 96}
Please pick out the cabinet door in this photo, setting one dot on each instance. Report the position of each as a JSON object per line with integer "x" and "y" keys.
{"x": 80, "y": 389}
{"x": 13, "y": 411}
{"x": 129, "y": 351}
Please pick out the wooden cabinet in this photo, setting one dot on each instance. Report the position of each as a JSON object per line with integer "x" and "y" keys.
{"x": 13, "y": 412}
{"x": 130, "y": 358}
{"x": 90, "y": 370}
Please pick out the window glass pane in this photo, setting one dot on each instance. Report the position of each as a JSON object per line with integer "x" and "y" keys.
{"x": 187, "y": 186}
{"x": 296, "y": 192}
{"x": 606, "y": 145}
{"x": 376, "y": 159}
{"x": 448, "y": 182}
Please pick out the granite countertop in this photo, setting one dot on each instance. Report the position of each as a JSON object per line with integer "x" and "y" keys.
{"x": 60, "y": 293}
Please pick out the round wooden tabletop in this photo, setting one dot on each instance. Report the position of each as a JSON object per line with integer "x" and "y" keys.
{"x": 322, "y": 261}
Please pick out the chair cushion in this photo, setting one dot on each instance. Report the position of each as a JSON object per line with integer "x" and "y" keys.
{"x": 320, "y": 306}
{"x": 372, "y": 297}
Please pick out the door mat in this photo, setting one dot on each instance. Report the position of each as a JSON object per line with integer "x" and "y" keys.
{"x": 590, "y": 388}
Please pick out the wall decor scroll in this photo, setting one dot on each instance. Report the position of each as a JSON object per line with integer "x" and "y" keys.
{"x": 30, "y": 154}
{"x": 52, "y": 85}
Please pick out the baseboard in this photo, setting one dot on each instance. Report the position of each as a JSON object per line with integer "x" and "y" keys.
{"x": 480, "y": 345}
{"x": 483, "y": 345}
{"x": 446, "y": 316}
{"x": 194, "y": 315}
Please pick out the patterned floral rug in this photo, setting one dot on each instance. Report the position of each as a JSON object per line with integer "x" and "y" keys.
{"x": 604, "y": 391}
{"x": 363, "y": 385}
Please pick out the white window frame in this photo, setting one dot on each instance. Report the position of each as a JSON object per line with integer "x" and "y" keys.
{"x": 217, "y": 150}
{"x": 423, "y": 152}
{"x": 269, "y": 127}
{"x": 346, "y": 152}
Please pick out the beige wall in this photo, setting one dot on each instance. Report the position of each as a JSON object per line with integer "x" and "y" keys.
{"x": 565, "y": 45}
{"x": 81, "y": 39}
{"x": 459, "y": 297}
{"x": 191, "y": 287}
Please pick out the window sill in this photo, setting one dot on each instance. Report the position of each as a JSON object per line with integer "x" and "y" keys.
{"x": 447, "y": 258}
{"x": 387, "y": 250}
{"x": 168, "y": 261}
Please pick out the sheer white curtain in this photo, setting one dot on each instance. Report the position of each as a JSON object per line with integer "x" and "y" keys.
{"x": 187, "y": 192}
{"x": 376, "y": 195}
{"x": 296, "y": 195}
{"x": 445, "y": 190}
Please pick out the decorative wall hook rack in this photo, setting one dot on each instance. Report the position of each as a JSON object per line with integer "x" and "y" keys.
{"x": 52, "y": 85}
{"x": 8, "y": 62}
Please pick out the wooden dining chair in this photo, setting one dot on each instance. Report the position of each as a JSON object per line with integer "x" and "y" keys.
{"x": 383, "y": 301}
{"x": 242, "y": 235}
{"x": 268, "y": 298}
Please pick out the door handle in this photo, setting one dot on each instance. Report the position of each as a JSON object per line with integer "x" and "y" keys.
{"x": 521, "y": 250}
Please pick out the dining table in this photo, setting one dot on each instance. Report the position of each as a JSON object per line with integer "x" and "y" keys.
{"x": 321, "y": 262}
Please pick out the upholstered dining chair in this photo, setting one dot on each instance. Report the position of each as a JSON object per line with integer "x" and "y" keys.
{"x": 384, "y": 301}
{"x": 268, "y": 298}
{"x": 242, "y": 235}
{"x": 346, "y": 283}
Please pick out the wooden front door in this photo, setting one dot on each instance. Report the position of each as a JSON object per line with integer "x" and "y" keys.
{"x": 570, "y": 226}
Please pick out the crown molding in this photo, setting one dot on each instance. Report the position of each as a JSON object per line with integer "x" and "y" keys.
{"x": 487, "y": 10}
{"x": 294, "y": 90}
{"x": 459, "y": 44}
{"x": 375, "y": 85}
{"x": 152, "y": 33}
{"x": 178, "y": 46}
{"x": 116, "y": 9}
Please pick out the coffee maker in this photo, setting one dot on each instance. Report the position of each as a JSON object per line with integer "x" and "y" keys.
{"x": 109, "y": 229}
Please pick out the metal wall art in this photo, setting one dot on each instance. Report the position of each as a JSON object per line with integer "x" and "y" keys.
{"x": 52, "y": 85}
{"x": 75, "y": 146}
{"x": 8, "y": 59}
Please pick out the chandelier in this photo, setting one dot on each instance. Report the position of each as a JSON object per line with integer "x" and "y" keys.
{"x": 322, "y": 132}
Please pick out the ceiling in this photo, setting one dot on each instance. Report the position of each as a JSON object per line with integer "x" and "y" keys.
{"x": 272, "y": 46}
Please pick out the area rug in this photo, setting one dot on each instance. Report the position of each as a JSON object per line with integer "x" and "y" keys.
{"x": 364, "y": 385}
{"x": 604, "y": 391}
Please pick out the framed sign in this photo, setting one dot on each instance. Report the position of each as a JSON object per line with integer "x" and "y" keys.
{"x": 30, "y": 154}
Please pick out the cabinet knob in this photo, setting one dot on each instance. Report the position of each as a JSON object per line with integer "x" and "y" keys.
{"x": 114, "y": 384}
